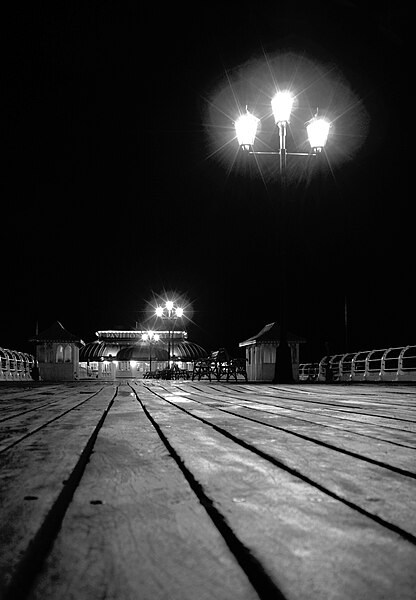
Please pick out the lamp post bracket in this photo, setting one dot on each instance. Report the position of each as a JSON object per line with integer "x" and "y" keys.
{"x": 277, "y": 153}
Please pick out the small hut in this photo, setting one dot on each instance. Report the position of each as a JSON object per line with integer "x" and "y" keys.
{"x": 57, "y": 352}
{"x": 261, "y": 352}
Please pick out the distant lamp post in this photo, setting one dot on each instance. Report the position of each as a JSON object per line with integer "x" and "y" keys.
{"x": 317, "y": 130}
{"x": 170, "y": 313}
{"x": 151, "y": 337}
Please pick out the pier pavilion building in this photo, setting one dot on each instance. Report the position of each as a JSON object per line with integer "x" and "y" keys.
{"x": 117, "y": 354}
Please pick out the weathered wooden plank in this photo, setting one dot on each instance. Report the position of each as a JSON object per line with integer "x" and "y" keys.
{"x": 366, "y": 389}
{"x": 393, "y": 415}
{"x": 35, "y": 478}
{"x": 298, "y": 416}
{"x": 25, "y": 423}
{"x": 135, "y": 529}
{"x": 17, "y": 410}
{"x": 290, "y": 549}
{"x": 347, "y": 429}
{"x": 24, "y": 401}
{"x": 344, "y": 397}
{"x": 311, "y": 544}
{"x": 324, "y": 427}
{"x": 27, "y": 396}
{"x": 373, "y": 392}
{"x": 23, "y": 389}
{"x": 335, "y": 395}
{"x": 402, "y": 457}
{"x": 380, "y": 491}
{"x": 25, "y": 405}
{"x": 402, "y": 433}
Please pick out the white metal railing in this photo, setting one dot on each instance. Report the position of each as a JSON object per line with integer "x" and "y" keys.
{"x": 388, "y": 364}
{"x": 308, "y": 371}
{"x": 15, "y": 365}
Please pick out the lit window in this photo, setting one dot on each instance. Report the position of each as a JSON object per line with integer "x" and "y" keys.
{"x": 269, "y": 354}
{"x": 60, "y": 354}
{"x": 68, "y": 353}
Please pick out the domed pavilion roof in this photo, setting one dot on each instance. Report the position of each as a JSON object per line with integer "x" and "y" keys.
{"x": 97, "y": 350}
{"x": 188, "y": 351}
{"x": 143, "y": 351}
{"x": 182, "y": 350}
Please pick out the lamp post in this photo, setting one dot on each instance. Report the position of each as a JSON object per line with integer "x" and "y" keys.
{"x": 150, "y": 336}
{"x": 170, "y": 312}
{"x": 317, "y": 130}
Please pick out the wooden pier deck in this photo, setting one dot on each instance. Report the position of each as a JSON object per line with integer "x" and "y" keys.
{"x": 150, "y": 490}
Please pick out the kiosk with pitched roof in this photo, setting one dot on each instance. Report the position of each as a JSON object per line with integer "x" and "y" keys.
{"x": 57, "y": 353}
{"x": 261, "y": 352}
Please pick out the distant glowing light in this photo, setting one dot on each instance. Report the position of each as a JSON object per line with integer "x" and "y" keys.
{"x": 150, "y": 336}
{"x": 170, "y": 307}
{"x": 318, "y": 130}
{"x": 246, "y": 129}
{"x": 282, "y": 104}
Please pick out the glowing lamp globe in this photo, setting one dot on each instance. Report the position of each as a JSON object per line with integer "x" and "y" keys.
{"x": 245, "y": 129}
{"x": 282, "y": 104}
{"x": 318, "y": 130}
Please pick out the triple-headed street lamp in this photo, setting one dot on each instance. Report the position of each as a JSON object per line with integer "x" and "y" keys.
{"x": 170, "y": 313}
{"x": 151, "y": 337}
{"x": 317, "y": 130}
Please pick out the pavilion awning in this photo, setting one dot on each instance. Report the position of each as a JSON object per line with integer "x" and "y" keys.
{"x": 143, "y": 351}
{"x": 95, "y": 351}
{"x": 188, "y": 351}
{"x": 182, "y": 350}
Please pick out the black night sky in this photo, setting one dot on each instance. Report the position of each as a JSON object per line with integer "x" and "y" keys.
{"x": 116, "y": 187}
